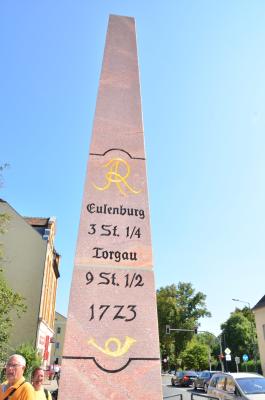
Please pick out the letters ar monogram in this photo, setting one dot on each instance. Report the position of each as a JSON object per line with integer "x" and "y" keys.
{"x": 114, "y": 175}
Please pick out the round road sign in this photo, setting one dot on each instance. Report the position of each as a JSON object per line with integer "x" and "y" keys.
{"x": 245, "y": 357}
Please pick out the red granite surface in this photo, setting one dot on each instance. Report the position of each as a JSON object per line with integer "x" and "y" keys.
{"x": 111, "y": 346}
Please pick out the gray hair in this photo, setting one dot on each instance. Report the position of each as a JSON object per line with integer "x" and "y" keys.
{"x": 20, "y": 359}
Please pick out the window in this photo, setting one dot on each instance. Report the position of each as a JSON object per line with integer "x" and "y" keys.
{"x": 59, "y": 330}
{"x": 230, "y": 385}
{"x": 57, "y": 345}
{"x": 220, "y": 383}
{"x": 214, "y": 381}
{"x": 252, "y": 385}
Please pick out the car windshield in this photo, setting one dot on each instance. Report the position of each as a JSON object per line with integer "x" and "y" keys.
{"x": 252, "y": 385}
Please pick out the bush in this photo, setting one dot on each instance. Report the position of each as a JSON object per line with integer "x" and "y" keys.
{"x": 33, "y": 359}
{"x": 251, "y": 367}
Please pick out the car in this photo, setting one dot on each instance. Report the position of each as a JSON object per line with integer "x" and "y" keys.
{"x": 203, "y": 379}
{"x": 236, "y": 386}
{"x": 183, "y": 378}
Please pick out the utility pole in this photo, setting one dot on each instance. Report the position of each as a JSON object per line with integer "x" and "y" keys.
{"x": 195, "y": 330}
{"x": 219, "y": 338}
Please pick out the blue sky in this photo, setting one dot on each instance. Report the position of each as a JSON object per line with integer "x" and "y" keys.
{"x": 203, "y": 94}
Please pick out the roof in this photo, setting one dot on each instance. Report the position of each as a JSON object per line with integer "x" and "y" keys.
{"x": 260, "y": 303}
{"x": 238, "y": 375}
{"x": 61, "y": 315}
{"x": 35, "y": 221}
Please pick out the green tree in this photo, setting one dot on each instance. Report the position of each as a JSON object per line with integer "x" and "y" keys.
{"x": 213, "y": 343}
{"x": 239, "y": 333}
{"x": 11, "y": 303}
{"x": 2, "y": 168}
{"x": 195, "y": 356}
{"x": 180, "y": 307}
{"x": 33, "y": 359}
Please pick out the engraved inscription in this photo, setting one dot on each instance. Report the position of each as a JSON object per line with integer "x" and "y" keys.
{"x": 112, "y": 230}
{"x": 117, "y": 312}
{"x": 117, "y": 256}
{"x": 94, "y": 208}
{"x": 132, "y": 280}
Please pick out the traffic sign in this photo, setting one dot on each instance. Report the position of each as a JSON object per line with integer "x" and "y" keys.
{"x": 237, "y": 360}
{"x": 245, "y": 357}
{"x": 227, "y": 351}
{"x": 228, "y": 357}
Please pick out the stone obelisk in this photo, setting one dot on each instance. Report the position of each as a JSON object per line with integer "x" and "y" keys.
{"x": 111, "y": 348}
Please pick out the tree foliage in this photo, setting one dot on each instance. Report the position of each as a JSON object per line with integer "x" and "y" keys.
{"x": 180, "y": 307}
{"x": 11, "y": 302}
{"x": 195, "y": 356}
{"x": 239, "y": 333}
{"x": 33, "y": 359}
{"x": 2, "y": 168}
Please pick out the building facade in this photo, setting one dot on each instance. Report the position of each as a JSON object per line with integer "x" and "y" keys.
{"x": 31, "y": 268}
{"x": 59, "y": 333}
{"x": 259, "y": 312}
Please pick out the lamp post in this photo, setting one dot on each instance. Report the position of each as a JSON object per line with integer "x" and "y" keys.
{"x": 253, "y": 331}
{"x": 242, "y": 301}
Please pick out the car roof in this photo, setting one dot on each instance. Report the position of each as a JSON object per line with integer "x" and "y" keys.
{"x": 237, "y": 375}
{"x": 245, "y": 375}
{"x": 211, "y": 372}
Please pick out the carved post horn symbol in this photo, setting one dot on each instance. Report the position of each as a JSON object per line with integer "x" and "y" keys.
{"x": 119, "y": 350}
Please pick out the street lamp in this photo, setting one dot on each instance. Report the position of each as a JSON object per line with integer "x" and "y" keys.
{"x": 242, "y": 301}
{"x": 253, "y": 331}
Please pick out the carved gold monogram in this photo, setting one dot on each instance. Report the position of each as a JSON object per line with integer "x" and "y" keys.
{"x": 114, "y": 175}
{"x": 118, "y": 349}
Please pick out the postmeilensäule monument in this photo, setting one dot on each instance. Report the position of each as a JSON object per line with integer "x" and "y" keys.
{"x": 111, "y": 348}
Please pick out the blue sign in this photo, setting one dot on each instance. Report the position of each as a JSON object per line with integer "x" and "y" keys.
{"x": 245, "y": 357}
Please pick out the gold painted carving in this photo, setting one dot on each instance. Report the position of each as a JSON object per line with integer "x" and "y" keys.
{"x": 113, "y": 175}
{"x": 119, "y": 350}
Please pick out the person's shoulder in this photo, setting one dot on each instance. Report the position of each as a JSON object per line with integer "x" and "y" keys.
{"x": 3, "y": 386}
{"x": 26, "y": 392}
{"x": 48, "y": 394}
{"x": 28, "y": 387}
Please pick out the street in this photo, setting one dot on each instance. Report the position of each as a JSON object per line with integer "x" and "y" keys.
{"x": 169, "y": 391}
{"x": 172, "y": 392}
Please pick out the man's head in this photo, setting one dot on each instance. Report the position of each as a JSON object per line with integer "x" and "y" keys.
{"x": 15, "y": 367}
